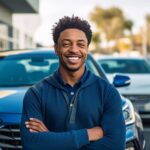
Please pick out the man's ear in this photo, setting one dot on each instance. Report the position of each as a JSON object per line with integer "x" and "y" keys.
{"x": 88, "y": 48}
{"x": 56, "y": 49}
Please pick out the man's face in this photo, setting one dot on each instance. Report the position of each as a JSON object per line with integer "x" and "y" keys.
{"x": 72, "y": 49}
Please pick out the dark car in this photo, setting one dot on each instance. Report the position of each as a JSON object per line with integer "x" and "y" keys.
{"x": 21, "y": 69}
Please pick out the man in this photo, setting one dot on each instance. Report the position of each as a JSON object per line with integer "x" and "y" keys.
{"x": 72, "y": 109}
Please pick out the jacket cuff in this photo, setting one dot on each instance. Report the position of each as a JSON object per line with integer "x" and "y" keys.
{"x": 81, "y": 137}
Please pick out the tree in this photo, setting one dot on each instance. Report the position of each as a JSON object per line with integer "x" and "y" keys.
{"x": 111, "y": 21}
{"x": 147, "y": 33}
{"x": 128, "y": 24}
{"x": 96, "y": 39}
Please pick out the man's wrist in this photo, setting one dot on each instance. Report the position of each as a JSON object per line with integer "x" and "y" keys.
{"x": 89, "y": 134}
{"x": 95, "y": 133}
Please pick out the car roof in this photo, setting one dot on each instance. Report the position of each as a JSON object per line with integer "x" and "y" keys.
{"x": 26, "y": 51}
{"x": 120, "y": 58}
{"x": 49, "y": 51}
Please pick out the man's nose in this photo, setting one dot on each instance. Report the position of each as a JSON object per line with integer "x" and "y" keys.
{"x": 74, "y": 48}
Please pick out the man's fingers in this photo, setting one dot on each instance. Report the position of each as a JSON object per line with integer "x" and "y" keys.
{"x": 33, "y": 127}
{"x": 35, "y": 124}
{"x": 40, "y": 123}
{"x": 31, "y": 130}
{"x": 35, "y": 120}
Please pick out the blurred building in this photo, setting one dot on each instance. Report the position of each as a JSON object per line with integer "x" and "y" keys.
{"x": 25, "y": 26}
{"x": 14, "y": 32}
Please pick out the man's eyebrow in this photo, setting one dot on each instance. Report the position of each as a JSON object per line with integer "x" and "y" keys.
{"x": 70, "y": 40}
{"x": 82, "y": 41}
{"x": 66, "y": 40}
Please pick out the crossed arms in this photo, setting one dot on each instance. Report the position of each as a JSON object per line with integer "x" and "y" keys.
{"x": 35, "y": 125}
{"x": 35, "y": 135}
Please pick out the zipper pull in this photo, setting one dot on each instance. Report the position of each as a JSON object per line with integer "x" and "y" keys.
{"x": 71, "y": 105}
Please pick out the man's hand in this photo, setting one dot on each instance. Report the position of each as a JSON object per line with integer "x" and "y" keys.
{"x": 35, "y": 125}
{"x": 95, "y": 133}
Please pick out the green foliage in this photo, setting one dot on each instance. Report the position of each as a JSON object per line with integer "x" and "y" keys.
{"x": 148, "y": 30}
{"x": 128, "y": 25}
{"x": 111, "y": 21}
{"x": 96, "y": 40}
{"x": 147, "y": 17}
{"x": 96, "y": 37}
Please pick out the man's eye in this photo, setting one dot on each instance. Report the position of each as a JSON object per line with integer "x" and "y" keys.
{"x": 81, "y": 45}
{"x": 66, "y": 44}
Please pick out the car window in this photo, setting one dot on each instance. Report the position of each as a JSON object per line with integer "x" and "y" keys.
{"x": 20, "y": 70}
{"x": 125, "y": 66}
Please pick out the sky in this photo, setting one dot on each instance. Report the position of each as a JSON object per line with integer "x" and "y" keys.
{"x": 51, "y": 11}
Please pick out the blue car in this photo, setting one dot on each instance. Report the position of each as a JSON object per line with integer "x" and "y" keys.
{"x": 23, "y": 68}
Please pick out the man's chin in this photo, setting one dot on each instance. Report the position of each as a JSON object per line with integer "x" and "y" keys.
{"x": 72, "y": 69}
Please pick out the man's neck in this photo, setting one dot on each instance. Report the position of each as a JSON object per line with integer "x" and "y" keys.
{"x": 73, "y": 77}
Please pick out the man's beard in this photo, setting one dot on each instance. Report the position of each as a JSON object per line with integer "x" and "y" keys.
{"x": 69, "y": 69}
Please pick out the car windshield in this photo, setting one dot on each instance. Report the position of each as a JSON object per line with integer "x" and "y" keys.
{"x": 130, "y": 66}
{"x": 24, "y": 70}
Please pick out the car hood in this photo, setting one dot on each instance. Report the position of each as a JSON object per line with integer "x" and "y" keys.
{"x": 11, "y": 99}
{"x": 140, "y": 84}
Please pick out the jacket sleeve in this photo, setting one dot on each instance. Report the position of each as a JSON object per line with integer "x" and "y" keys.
{"x": 70, "y": 140}
{"x": 112, "y": 123}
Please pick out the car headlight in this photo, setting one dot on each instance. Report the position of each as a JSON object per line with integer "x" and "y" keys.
{"x": 128, "y": 112}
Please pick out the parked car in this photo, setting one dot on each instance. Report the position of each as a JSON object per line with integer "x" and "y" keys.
{"x": 139, "y": 71}
{"x": 21, "y": 69}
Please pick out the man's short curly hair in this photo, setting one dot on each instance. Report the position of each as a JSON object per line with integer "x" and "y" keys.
{"x": 71, "y": 22}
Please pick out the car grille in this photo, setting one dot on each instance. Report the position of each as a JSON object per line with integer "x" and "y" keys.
{"x": 10, "y": 137}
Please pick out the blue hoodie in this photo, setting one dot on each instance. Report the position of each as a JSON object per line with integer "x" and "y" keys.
{"x": 96, "y": 103}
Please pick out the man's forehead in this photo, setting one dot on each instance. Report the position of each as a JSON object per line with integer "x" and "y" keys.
{"x": 73, "y": 34}
{"x": 71, "y": 31}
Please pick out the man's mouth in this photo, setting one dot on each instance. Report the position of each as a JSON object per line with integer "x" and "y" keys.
{"x": 73, "y": 59}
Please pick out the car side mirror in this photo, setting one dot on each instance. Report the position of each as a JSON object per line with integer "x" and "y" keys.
{"x": 120, "y": 80}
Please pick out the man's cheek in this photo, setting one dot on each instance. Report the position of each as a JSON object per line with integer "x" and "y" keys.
{"x": 85, "y": 55}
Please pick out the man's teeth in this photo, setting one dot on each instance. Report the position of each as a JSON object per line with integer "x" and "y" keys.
{"x": 73, "y": 58}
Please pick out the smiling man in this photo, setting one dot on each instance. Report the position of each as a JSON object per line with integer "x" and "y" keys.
{"x": 72, "y": 109}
